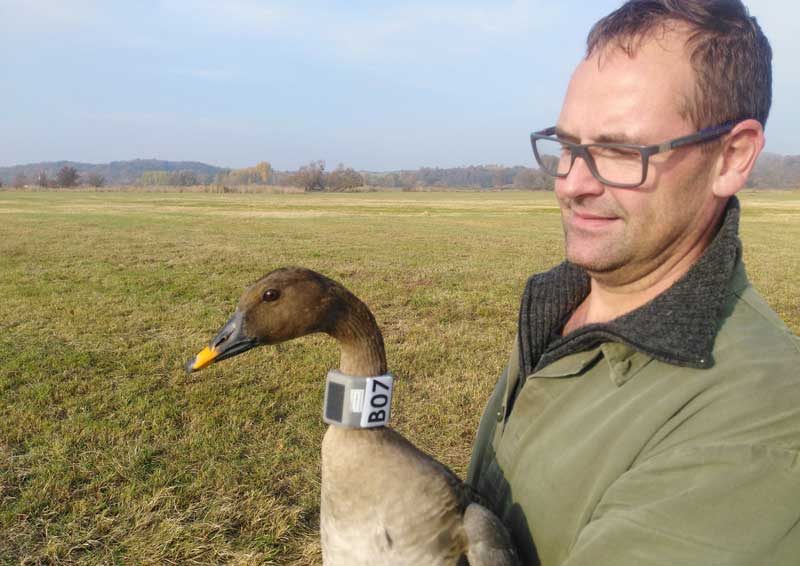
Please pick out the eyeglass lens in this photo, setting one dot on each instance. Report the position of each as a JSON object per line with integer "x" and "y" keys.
{"x": 615, "y": 165}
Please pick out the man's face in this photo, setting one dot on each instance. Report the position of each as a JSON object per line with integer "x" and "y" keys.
{"x": 622, "y": 235}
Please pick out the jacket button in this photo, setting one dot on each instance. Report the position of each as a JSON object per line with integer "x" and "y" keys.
{"x": 622, "y": 367}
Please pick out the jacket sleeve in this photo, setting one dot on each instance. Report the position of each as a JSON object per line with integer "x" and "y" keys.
{"x": 705, "y": 505}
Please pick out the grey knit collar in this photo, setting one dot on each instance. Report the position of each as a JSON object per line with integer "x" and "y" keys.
{"x": 677, "y": 327}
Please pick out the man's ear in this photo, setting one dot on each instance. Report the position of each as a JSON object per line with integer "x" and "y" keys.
{"x": 738, "y": 157}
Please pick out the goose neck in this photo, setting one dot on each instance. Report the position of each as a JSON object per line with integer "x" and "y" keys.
{"x": 360, "y": 342}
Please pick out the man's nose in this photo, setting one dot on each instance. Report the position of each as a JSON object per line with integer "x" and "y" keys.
{"x": 579, "y": 181}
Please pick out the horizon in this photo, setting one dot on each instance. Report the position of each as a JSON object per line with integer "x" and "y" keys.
{"x": 195, "y": 162}
{"x": 327, "y": 165}
{"x": 397, "y": 86}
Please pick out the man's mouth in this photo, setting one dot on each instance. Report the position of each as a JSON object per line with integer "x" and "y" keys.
{"x": 590, "y": 216}
{"x": 590, "y": 220}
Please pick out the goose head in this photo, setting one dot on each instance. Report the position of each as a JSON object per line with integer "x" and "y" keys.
{"x": 292, "y": 302}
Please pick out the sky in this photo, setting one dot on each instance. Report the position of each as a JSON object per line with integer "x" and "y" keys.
{"x": 375, "y": 85}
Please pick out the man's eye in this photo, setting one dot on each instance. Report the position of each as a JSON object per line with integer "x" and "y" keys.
{"x": 615, "y": 153}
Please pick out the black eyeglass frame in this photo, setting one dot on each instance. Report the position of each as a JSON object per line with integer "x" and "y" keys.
{"x": 582, "y": 150}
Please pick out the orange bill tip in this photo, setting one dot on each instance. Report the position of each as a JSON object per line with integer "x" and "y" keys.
{"x": 201, "y": 360}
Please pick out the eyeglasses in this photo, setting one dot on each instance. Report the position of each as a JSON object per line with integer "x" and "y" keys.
{"x": 617, "y": 164}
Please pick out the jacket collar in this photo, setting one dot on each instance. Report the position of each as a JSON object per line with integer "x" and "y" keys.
{"x": 677, "y": 327}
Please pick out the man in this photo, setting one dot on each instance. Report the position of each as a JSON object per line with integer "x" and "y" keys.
{"x": 650, "y": 410}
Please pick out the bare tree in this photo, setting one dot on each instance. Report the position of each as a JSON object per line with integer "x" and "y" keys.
{"x": 96, "y": 180}
{"x": 311, "y": 177}
{"x": 20, "y": 180}
{"x": 67, "y": 177}
{"x": 533, "y": 179}
{"x": 42, "y": 180}
{"x": 183, "y": 178}
{"x": 343, "y": 178}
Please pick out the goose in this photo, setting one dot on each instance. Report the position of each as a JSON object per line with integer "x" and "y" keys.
{"x": 383, "y": 500}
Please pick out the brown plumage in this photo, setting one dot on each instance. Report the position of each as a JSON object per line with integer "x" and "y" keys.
{"x": 383, "y": 500}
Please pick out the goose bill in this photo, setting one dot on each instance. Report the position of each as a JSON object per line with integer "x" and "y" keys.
{"x": 229, "y": 342}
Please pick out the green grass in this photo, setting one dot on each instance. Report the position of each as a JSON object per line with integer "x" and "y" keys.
{"x": 110, "y": 453}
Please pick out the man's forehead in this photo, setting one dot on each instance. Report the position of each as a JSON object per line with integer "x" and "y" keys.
{"x": 641, "y": 95}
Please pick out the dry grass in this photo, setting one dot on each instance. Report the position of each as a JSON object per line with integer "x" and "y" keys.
{"x": 110, "y": 453}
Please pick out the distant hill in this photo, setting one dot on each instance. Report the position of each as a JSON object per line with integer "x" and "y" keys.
{"x": 115, "y": 173}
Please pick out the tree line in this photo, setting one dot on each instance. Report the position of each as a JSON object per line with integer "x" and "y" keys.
{"x": 66, "y": 177}
{"x": 314, "y": 177}
{"x": 771, "y": 171}
{"x": 311, "y": 177}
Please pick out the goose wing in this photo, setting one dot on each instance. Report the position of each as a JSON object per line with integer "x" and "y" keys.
{"x": 488, "y": 541}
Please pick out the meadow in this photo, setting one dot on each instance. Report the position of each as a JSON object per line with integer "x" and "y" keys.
{"x": 110, "y": 453}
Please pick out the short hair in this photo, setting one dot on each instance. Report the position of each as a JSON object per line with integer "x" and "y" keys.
{"x": 730, "y": 55}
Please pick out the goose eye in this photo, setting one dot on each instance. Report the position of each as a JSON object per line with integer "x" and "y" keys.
{"x": 271, "y": 295}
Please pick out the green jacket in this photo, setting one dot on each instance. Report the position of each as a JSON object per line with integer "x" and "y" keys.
{"x": 618, "y": 452}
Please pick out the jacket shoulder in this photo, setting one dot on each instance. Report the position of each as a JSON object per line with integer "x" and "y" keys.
{"x": 750, "y": 327}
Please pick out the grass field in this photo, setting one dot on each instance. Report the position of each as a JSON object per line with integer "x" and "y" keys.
{"x": 110, "y": 453}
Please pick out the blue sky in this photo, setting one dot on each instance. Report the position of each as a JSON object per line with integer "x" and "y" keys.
{"x": 375, "y": 85}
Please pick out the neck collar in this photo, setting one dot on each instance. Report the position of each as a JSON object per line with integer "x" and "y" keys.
{"x": 678, "y": 326}
{"x": 357, "y": 402}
